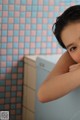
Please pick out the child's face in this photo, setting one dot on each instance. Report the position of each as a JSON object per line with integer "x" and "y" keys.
{"x": 71, "y": 39}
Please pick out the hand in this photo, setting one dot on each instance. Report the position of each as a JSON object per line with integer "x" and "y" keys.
{"x": 74, "y": 67}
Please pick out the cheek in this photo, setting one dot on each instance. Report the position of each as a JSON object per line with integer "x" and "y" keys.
{"x": 75, "y": 57}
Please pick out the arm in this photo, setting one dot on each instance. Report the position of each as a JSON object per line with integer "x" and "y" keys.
{"x": 60, "y": 81}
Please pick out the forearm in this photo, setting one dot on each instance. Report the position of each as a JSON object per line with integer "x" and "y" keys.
{"x": 59, "y": 86}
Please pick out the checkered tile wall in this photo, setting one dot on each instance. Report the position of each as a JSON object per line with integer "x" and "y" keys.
{"x": 25, "y": 28}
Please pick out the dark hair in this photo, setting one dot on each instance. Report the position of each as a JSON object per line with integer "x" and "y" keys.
{"x": 72, "y": 14}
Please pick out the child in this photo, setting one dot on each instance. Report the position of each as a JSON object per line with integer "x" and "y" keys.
{"x": 66, "y": 74}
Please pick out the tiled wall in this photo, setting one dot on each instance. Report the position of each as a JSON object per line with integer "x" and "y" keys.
{"x": 25, "y": 28}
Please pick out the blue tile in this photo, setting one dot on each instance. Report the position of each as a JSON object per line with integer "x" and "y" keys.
{"x": 34, "y": 14}
{"x": 38, "y": 44}
{"x": 10, "y": 26}
{"x": 39, "y": 32}
{"x": 11, "y": 14}
{"x": 9, "y": 51}
{"x": 27, "y": 45}
{"x": 17, "y": 7}
{"x": 16, "y": 20}
{"x": 3, "y": 58}
{"x": 15, "y": 45}
{"x": 34, "y": 8}
{"x": 15, "y": 57}
{"x": 9, "y": 64}
{"x": 22, "y": 14}
{"x": 21, "y": 51}
{"x": 23, "y": 2}
{"x": 4, "y": 33}
{"x": 3, "y": 70}
{"x": 8, "y": 88}
{"x": 20, "y": 76}
{"x": 16, "y": 32}
{"x": 5, "y": 7}
{"x": 28, "y": 8}
{"x": 32, "y": 51}
{"x": 10, "y": 39}
{"x": 3, "y": 45}
{"x": 21, "y": 39}
{"x": 32, "y": 39}
{"x": 11, "y": 1}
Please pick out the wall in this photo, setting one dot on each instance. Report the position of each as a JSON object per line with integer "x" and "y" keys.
{"x": 25, "y": 28}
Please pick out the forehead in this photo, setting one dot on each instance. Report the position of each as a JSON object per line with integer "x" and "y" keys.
{"x": 70, "y": 33}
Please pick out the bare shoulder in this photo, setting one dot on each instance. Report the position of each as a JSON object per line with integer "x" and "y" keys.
{"x": 62, "y": 66}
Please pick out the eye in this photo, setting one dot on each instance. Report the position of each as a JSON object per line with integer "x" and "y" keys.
{"x": 72, "y": 49}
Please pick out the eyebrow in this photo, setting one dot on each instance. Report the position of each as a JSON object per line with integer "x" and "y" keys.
{"x": 69, "y": 45}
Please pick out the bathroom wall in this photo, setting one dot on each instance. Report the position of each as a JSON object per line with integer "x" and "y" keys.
{"x": 25, "y": 28}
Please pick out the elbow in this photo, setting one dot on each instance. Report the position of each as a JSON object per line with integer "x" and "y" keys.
{"x": 41, "y": 96}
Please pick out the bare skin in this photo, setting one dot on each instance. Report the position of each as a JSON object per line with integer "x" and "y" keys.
{"x": 62, "y": 80}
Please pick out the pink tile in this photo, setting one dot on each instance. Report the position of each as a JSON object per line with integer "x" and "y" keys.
{"x": 0, "y": 7}
{"x": 51, "y": 2}
{"x": 44, "y": 32}
{"x": 56, "y": 8}
{"x": 39, "y": 26}
{"x": 45, "y": 20}
{"x": 49, "y": 38}
{"x": 16, "y": 26}
{"x": 50, "y": 26}
{"x": 27, "y": 39}
{"x": 2, "y": 76}
{"x": 4, "y": 26}
{"x": 9, "y": 58}
{"x": 5, "y": 1}
{"x": 7, "y": 94}
{"x": 9, "y": 45}
{"x": 15, "y": 51}
{"x": 4, "y": 39}
{"x": 16, "y": 14}
{"x": 48, "y": 51}
{"x": 8, "y": 82}
{"x": 1, "y": 101}
{"x": 23, "y": 8}
{"x": 14, "y": 88}
{"x": 33, "y": 20}
{"x": 29, "y": 2}
{"x": 38, "y": 39}
{"x": 8, "y": 70}
{"x": 22, "y": 20}
{"x": 19, "y": 94}
{"x": 26, "y": 51}
{"x": 20, "y": 57}
{"x": 59, "y": 51}
{"x": 21, "y": 32}
{"x": 40, "y": 14}
{"x": 45, "y": 8}
{"x": 10, "y": 32}
{"x": 5, "y": 14}
{"x": 43, "y": 45}
{"x": 3, "y": 64}
{"x": 11, "y": 7}
{"x": 14, "y": 63}
{"x": 2, "y": 89}
{"x": 21, "y": 45}
{"x": 7, "y": 106}
{"x": 13, "y": 100}
{"x": 14, "y": 76}
{"x": 20, "y": 69}
{"x": 54, "y": 45}
{"x": 32, "y": 45}
{"x": 17, "y": 2}
{"x": 33, "y": 33}
{"x": 28, "y": 14}
{"x": 15, "y": 39}
{"x": 3, "y": 51}
{"x": 20, "y": 82}
{"x": 40, "y": 2}
{"x": 10, "y": 20}
{"x": 18, "y": 105}
{"x": 37, "y": 51}
{"x": 28, "y": 26}
{"x": 12, "y": 112}
{"x": 50, "y": 14}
